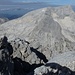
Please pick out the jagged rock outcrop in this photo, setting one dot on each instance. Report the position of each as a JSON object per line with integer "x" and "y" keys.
{"x": 13, "y": 62}
{"x": 40, "y": 35}
{"x": 24, "y": 51}
{"x": 46, "y": 29}
{"x": 53, "y": 69}
{"x": 6, "y": 63}
{"x": 62, "y": 64}
{"x": 12, "y": 65}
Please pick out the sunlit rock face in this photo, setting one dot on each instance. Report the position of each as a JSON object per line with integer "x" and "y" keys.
{"x": 40, "y": 35}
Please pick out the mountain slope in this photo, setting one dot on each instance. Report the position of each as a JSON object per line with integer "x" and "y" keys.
{"x": 56, "y": 66}
{"x": 46, "y": 29}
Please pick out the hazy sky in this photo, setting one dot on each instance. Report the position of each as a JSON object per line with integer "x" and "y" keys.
{"x": 58, "y": 2}
{"x": 72, "y": 2}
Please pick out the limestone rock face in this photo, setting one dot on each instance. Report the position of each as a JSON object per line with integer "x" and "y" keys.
{"x": 24, "y": 51}
{"x": 63, "y": 64}
{"x": 50, "y": 30}
{"x": 18, "y": 58}
{"x": 12, "y": 62}
{"x": 41, "y": 35}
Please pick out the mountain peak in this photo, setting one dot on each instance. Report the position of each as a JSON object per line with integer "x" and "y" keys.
{"x": 41, "y": 18}
{"x": 51, "y": 28}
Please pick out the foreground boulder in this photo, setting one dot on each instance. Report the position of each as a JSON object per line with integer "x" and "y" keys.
{"x": 62, "y": 64}
{"x": 13, "y": 64}
{"x": 53, "y": 69}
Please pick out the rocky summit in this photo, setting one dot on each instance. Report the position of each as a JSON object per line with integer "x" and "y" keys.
{"x": 42, "y": 42}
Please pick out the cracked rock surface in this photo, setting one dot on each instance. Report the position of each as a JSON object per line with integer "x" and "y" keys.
{"x": 42, "y": 42}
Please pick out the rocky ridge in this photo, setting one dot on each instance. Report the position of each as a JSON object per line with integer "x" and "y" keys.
{"x": 40, "y": 36}
{"x": 53, "y": 67}
{"x": 45, "y": 29}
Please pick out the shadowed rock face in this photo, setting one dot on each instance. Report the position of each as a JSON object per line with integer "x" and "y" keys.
{"x": 6, "y": 63}
{"x": 10, "y": 65}
{"x": 62, "y": 64}
{"x": 53, "y": 69}
{"x": 24, "y": 51}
